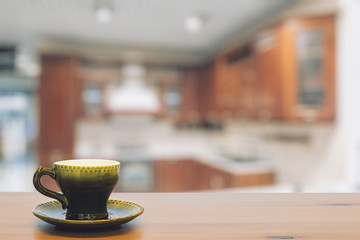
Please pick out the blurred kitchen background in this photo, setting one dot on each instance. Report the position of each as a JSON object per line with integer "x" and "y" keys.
{"x": 190, "y": 95}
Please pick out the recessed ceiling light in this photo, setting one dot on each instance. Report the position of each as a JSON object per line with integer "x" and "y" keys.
{"x": 103, "y": 14}
{"x": 194, "y": 23}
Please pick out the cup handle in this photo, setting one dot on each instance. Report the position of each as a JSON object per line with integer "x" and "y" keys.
{"x": 49, "y": 193}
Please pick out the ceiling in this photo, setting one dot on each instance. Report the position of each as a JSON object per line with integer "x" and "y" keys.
{"x": 148, "y": 30}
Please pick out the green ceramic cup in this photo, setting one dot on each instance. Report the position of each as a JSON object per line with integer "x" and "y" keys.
{"x": 86, "y": 185}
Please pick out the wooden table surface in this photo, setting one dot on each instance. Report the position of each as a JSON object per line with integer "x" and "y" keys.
{"x": 202, "y": 216}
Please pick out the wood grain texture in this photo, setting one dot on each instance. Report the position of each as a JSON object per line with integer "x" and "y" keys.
{"x": 289, "y": 29}
{"x": 174, "y": 176}
{"x": 189, "y": 110}
{"x": 203, "y": 216}
{"x": 205, "y": 90}
{"x": 188, "y": 174}
{"x": 268, "y": 72}
{"x": 59, "y": 95}
{"x": 264, "y": 84}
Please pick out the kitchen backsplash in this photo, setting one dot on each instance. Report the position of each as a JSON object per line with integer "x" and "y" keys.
{"x": 298, "y": 152}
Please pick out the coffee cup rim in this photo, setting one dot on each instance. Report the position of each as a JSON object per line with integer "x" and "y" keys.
{"x": 87, "y": 163}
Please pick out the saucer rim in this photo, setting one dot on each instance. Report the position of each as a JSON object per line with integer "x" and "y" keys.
{"x": 69, "y": 222}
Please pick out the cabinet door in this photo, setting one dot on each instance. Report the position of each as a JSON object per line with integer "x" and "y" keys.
{"x": 308, "y": 60}
{"x": 189, "y": 110}
{"x": 209, "y": 178}
{"x": 240, "y": 89}
{"x": 174, "y": 175}
{"x": 59, "y": 107}
{"x": 248, "y": 94}
{"x": 267, "y": 57}
{"x": 233, "y": 89}
{"x": 222, "y": 85}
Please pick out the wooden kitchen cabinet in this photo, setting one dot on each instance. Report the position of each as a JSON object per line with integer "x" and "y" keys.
{"x": 239, "y": 88}
{"x": 234, "y": 86}
{"x": 295, "y": 70}
{"x": 222, "y": 93}
{"x": 198, "y": 104}
{"x": 190, "y": 87}
{"x": 60, "y": 104}
{"x": 174, "y": 175}
{"x": 206, "y": 91}
{"x": 245, "y": 88}
{"x": 268, "y": 74}
{"x": 209, "y": 178}
{"x": 285, "y": 72}
{"x": 187, "y": 174}
{"x": 308, "y": 68}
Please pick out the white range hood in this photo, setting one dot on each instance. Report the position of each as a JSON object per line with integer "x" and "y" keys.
{"x": 133, "y": 95}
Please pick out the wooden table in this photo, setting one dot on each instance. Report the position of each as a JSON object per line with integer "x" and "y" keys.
{"x": 203, "y": 216}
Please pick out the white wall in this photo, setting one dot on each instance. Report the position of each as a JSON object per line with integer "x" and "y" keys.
{"x": 348, "y": 86}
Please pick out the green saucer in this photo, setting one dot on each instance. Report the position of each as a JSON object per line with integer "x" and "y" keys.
{"x": 119, "y": 212}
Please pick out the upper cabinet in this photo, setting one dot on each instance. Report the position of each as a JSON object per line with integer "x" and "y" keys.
{"x": 307, "y": 54}
{"x": 234, "y": 85}
{"x": 268, "y": 72}
{"x": 286, "y": 72}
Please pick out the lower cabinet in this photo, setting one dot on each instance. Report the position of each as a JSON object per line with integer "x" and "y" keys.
{"x": 174, "y": 175}
{"x": 191, "y": 175}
